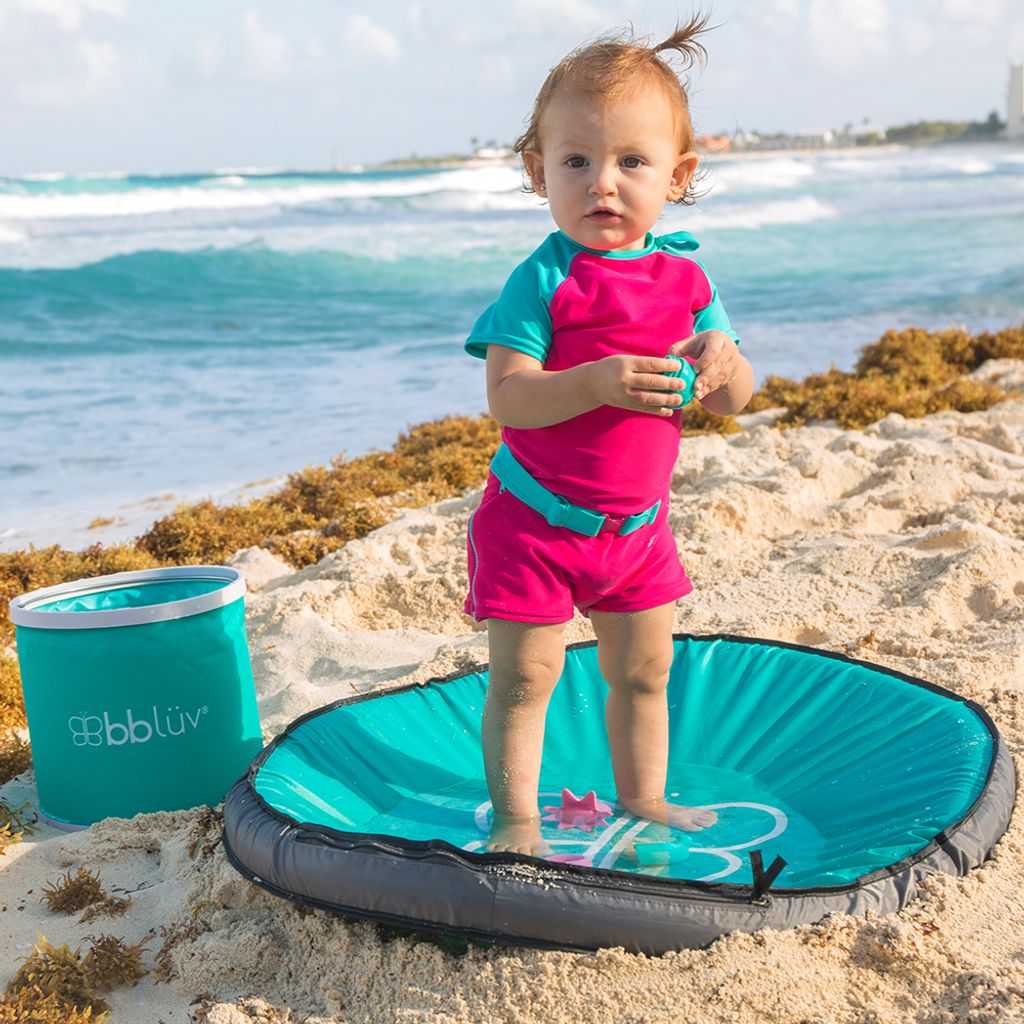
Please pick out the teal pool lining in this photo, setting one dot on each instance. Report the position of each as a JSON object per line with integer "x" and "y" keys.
{"x": 830, "y": 659}
{"x": 133, "y": 595}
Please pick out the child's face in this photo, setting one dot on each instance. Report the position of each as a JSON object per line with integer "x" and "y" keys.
{"x": 607, "y": 168}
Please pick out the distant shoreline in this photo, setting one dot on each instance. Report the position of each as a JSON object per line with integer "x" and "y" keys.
{"x": 457, "y": 161}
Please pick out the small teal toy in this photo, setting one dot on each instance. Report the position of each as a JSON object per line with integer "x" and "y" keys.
{"x": 687, "y": 374}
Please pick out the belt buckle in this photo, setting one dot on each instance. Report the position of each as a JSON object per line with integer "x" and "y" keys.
{"x": 612, "y": 522}
{"x": 639, "y": 520}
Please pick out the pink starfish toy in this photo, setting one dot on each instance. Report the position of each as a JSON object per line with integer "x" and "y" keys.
{"x": 579, "y": 812}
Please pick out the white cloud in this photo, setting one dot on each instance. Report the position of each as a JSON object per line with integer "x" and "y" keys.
{"x": 975, "y": 11}
{"x": 917, "y": 36}
{"x": 269, "y": 54}
{"x": 575, "y": 14}
{"x": 845, "y": 32}
{"x": 209, "y": 53}
{"x": 99, "y": 59}
{"x": 370, "y": 39}
{"x": 69, "y": 13}
{"x": 90, "y": 68}
{"x": 780, "y": 17}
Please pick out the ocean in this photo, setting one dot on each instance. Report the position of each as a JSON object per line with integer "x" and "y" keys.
{"x": 170, "y": 337}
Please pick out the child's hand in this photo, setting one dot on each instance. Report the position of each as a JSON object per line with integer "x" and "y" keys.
{"x": 716, "y": 360}
{"x": 637, "y": 383}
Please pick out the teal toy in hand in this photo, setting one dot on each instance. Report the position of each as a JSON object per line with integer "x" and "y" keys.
{"x": 686, "y": 374}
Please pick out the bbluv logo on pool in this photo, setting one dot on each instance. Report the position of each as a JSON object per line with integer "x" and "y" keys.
{"x": 129, "y": 728}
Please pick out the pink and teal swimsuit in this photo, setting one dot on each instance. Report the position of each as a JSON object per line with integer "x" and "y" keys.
{"x": 567, "y": 305}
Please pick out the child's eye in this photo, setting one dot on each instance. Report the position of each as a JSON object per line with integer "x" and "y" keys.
{"x": 632, "y": 161}
{"x": 575, "y": 162}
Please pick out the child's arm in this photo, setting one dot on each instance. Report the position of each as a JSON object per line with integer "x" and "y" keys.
{"x": 522, "y": 394}
{"x": 725, "y": 379}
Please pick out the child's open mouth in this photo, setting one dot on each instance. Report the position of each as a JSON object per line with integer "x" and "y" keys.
{"x": 604, "y": 216}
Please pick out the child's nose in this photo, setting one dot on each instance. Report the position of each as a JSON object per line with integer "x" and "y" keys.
{"x": 604, "y": 182}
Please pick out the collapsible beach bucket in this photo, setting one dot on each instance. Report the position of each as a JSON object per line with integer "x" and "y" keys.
{"x": 138, "y": 691}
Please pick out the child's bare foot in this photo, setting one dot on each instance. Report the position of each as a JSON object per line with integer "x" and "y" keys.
{"x": 686, "y": 819}
{"x": 517, "y": 835}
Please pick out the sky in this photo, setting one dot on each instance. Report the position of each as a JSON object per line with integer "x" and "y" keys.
{"x": 160, "y": 86}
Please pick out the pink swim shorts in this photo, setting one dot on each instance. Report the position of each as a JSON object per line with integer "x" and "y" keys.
{"x": 522, "y": 568}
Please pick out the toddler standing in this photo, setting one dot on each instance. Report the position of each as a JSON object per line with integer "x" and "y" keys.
{"x": 575, "y": 509}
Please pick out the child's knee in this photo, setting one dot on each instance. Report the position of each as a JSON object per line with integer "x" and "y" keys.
{"x": 524, "y": 681}
{"x": 643, "y": 675}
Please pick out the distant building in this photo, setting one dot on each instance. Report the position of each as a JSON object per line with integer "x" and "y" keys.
{"x": 1015, "y": 104}
{"x": 861, "y": 133}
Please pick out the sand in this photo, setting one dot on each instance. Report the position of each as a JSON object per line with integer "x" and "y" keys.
{"x": 901, "y": 544}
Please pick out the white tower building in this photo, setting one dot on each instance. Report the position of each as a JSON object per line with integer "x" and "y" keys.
{"x": 1015, "y": 104}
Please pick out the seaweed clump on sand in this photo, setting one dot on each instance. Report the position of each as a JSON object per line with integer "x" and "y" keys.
{"x": 321, "y": 508}
{"x": 15, "y": 752}
{"x": 83, "y": 891}
{"x": 58, "y": 985}
{"x": 14, "y": 824}
{"x": 912, "y": 372}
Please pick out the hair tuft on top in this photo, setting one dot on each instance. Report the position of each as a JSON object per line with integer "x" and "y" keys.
{"x": 684, "y": 40}
{"x": 610, "y": 64}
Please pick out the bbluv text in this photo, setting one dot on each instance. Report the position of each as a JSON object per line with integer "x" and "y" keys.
{"x": 96, "y": 731}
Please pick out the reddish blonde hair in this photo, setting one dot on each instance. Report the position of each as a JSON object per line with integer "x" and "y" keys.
{"x": 610, "y": 65}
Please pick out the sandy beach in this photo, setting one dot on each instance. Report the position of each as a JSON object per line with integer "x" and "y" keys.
{"x": 899, "y": 544}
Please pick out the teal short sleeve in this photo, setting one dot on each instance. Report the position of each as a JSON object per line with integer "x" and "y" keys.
{"x": 713, "y": 316}
{"x": 520, "y": 318}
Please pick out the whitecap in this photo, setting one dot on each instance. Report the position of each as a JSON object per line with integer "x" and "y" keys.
{"x": 40, "y": 176}
{"x": 803, "y": 210}
{"x": 976, "y": 166}
{"x": 147, "y": 201}
{"x": 760, "y": 173}
{"x": 233, "y": 180}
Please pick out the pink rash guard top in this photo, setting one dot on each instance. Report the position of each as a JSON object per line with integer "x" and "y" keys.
{"x": 566, "y": 305}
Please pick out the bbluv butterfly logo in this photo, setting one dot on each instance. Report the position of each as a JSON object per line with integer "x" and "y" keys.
{"x": 86, "y": 730}
{"x": 128, "y": 727}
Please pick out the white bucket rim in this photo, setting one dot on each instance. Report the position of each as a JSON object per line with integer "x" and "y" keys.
{"x": 24, "y": 613}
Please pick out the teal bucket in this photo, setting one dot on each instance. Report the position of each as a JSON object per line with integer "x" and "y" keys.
{"x": 138, "y": 691}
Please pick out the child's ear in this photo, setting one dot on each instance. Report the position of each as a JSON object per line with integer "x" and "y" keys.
{"x": 534, "y": 164}
{"x": 686, "y": 167}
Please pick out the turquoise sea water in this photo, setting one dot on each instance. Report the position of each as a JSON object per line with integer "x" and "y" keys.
{"x": 190, "y": 333}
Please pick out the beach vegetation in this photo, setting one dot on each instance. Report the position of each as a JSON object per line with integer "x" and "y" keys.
{"x": 320, "y": 508}
{"x": 72, "y": 893}
{"x": 83, "y": 891}
{"x": 173, "y": 935}
{"x": 12, "y": 706}
{"x": 58, "y": 985}
{"x": 59, "y": 972}
{"x": 911, "y": 372}
{"x": 29, "y": 1004}
{"x": 15, "y": 755}
{"x": 109, "y": 963}
{"x": 926, "y": 133}
{"x": 206, "y": 834}
{"x": 15, "y": 824}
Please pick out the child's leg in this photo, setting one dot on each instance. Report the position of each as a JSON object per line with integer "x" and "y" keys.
{"x": 634, "y": 650}
{"x": 526, "y": 662}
